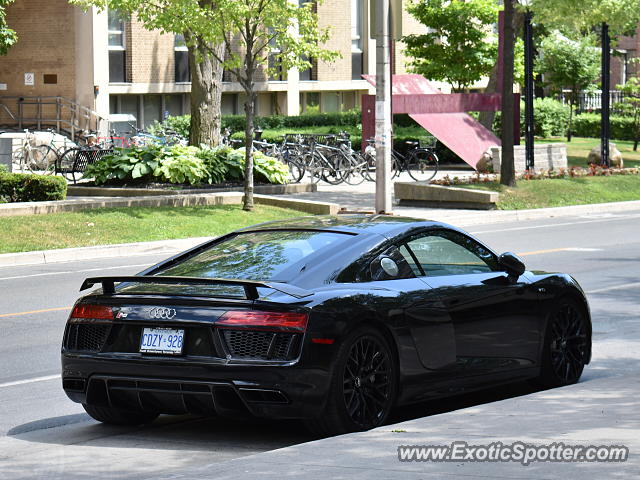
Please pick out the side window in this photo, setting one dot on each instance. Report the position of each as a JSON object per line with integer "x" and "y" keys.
{"x": 410, "y": 260}
{"x": 442, "y": 253}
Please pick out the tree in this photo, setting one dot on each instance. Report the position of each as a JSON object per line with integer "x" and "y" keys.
{"x": 455, "y": 49}
{"x": 571, "y": 17}
{"x": 631, "y": 104}
{"x": 572, "y": 64}
{"x": 275, "y": 35}
{"x": 184, "y": 17}
{"x": 8, "y": 37}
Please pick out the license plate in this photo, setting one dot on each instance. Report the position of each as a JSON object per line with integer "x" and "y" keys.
{"x": 162, "y": 340}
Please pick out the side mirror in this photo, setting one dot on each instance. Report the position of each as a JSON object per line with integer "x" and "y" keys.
{"x": 384, "y": 268}
{"x": 512, "y": 264}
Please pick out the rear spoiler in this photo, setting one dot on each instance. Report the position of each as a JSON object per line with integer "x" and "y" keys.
{"x": 250, "y": 286}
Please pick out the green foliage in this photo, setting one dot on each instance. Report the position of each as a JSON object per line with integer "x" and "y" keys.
{"x": 631, "y": 104}
{"x": 126, "y": 164}
{"x": 8, "y": 37}
{"x": 178, "y": 124}
{"x": 455, "y": 49}
{"x": 551, "y": 117}
{"x": 179, "y": 165}
{"x": 568, "y": 63}
{"x": 588, "y": 125}
{"x": 19, "y": 187}
{"x": 571, "y": 16}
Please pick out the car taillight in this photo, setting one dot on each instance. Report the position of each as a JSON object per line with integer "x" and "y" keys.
{"x": 282, "y": 320}
{"x": 92, "y": 311}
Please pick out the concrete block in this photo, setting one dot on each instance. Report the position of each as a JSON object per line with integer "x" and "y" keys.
{"x": 307, "y": 206}
{"x": 424, "y": 194}
{"x": 551, "y": 156}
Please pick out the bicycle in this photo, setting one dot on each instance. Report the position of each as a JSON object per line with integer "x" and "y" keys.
{"x": 31, "y": 158}
{"x": 420, "y": 162}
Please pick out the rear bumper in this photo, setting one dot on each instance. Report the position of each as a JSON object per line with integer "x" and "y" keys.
{"x": 200, "y": 388}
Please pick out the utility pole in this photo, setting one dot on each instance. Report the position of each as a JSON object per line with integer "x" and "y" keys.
{"x": 384, "y": 141}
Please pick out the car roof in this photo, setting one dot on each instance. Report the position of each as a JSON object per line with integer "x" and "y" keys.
{"x": 359, "y": 224}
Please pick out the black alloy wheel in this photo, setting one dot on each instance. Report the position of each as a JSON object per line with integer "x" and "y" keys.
{"x": 567, "y": 346}
{"x": 363, "y": 386}
{"x": 367, "y": 382}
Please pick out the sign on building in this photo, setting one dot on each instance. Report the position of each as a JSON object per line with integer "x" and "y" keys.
{"x": 30, "y": 79}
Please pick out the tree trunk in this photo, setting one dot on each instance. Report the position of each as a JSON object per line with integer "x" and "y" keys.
{"x": 570, "y": 125}
{"x": 249, "y": 108}
{"x": 636, "y": 137}
{"x": 206, "y": 92}
{"x": 486, "y": 119}
{"x": 507, "y": 167}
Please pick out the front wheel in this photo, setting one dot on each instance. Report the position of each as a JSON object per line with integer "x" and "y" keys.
{"x": 116, "y": 416}
{"x": 363, "y": 386}
{"x": 567, "y": 345}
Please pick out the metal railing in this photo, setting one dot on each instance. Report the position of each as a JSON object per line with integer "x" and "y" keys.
{"x": 591, "y": 102}
{"x": 62, "y": 114}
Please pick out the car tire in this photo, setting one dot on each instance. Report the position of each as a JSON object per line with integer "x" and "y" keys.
{"x": 116, "y": 416}
{"x": 566, "y": 347}
{"x": 363, "y": 386}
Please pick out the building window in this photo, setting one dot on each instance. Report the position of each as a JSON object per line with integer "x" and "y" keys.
{"x": 117, "y": 47}
{"x": 357, "y": 37}
{"x": 275, "y": 68}
{"x": 309, "y": 73}
{"x": 181, "y": 56}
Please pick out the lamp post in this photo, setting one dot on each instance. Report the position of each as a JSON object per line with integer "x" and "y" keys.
{"x": 604, "y": 98}
{"x": 528, "y": 89}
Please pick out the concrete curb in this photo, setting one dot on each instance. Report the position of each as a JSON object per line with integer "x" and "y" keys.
{"x": 498, "y": 216}
{"x": 182, "y": 200}
{"x": 288, "y": 189}
{"x": 174, "y": 246}
{"x": 165, "y": 247}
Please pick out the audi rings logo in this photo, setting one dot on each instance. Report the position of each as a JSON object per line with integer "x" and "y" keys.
{"x": 162, "y": 312}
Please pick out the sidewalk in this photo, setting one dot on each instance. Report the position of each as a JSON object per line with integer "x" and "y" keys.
{"x": 597, "y": 412}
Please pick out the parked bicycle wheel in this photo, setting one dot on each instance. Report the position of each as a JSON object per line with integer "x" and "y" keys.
{"x": 44, "y": 159}
{"x": 352, "y": 168}
{"x": 396, "y": 163}
{"x": 333, "y": 172}
{"x": 314, "y": 167}
{"x": 66, "y": 163}
{"x": 422, "y": 165}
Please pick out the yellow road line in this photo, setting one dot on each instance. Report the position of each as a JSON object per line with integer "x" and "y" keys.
{"x": 17, "y": 314}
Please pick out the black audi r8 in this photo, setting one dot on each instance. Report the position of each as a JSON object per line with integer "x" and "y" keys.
{"x": 334, "y": 320}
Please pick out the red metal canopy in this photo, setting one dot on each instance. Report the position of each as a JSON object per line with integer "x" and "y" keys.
{"x": 442, "y": 115}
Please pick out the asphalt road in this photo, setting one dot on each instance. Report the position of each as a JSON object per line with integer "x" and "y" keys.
{"x": 44, "y": 435}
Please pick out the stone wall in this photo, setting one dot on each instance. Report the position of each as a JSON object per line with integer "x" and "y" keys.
{"x": 548, "y": 156}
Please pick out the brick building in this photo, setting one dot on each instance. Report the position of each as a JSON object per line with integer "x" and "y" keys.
{"x": 111, "y": 64}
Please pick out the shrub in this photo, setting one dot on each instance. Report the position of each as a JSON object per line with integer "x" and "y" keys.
{"x": 20, "y": 187}
{"x": 126, "y": 164}
{"x": 181, "y": 164}
{"x": 588, "y": 125}
{"x": 551, "y": 117}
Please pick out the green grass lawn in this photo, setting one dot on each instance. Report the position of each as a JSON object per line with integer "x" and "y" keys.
{"x": 566, "y": 191}
{"x": 579, "y": 147}
{"x": 123, "y": 225}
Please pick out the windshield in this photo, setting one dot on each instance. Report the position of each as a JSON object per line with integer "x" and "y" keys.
{"x": 260, "y": 255}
